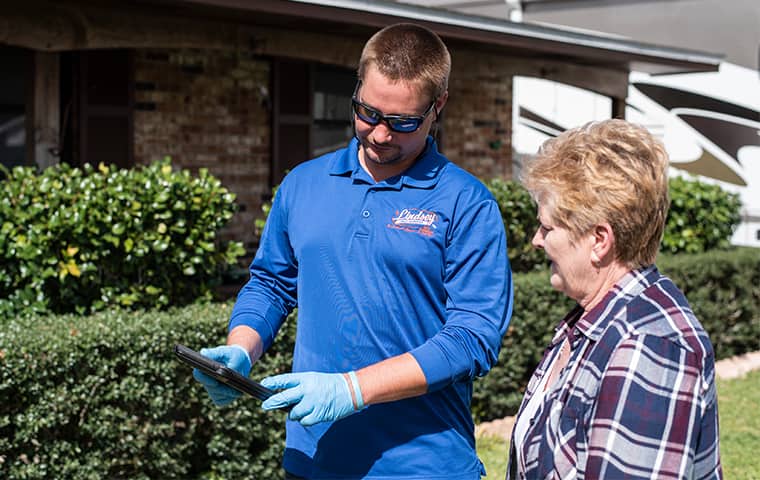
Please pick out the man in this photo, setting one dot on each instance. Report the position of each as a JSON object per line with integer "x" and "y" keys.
{"x": 397, "y": 261}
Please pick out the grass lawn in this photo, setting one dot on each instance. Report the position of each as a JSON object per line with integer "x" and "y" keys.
{"x": 493, "y": 453}
{"x": 739, "y": 409}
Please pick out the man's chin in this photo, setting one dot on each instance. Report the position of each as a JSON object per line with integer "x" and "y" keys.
{"x": 386, "y": 158}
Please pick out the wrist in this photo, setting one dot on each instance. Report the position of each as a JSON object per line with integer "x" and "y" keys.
{"x": 242, "y": 349}
{"x": 248, "y": 339}
{"x": 247, "y": 357}
{"x": 355, "y": 390}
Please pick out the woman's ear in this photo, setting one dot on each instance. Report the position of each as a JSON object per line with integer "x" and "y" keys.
{"x": 604, "y": 242}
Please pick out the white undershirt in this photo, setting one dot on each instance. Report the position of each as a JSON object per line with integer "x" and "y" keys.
{"x": 524, "y": 420}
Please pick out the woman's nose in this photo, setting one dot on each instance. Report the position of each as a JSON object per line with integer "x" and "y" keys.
{"x": 538, "y": 239}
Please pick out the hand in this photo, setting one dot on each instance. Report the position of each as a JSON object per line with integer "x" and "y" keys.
{"x": 316, "y": 397}
{"x": 234, "y": 357}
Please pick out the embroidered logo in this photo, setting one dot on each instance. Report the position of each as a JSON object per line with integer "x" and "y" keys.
{"x": 415, "y": 220}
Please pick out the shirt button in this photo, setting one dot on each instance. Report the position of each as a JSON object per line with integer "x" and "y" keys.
{"x": 365, "y": 214}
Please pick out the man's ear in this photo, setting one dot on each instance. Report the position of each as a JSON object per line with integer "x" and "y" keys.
{"x": 441, "y": 102}
{"x": 604, "y": 242}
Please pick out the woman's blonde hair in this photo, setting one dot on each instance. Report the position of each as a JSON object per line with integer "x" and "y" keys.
{"x": 610, "y": 171}
{"x": 409, "y": 53}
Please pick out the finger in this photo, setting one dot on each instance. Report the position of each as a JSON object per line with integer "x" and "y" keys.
{"x": 219, "y": 354}
{"x": 286, "y": 380}
{"x": 311, "y": 419}
{"x": 283, "y": 399}
{"x": 300, "y": 411}
{"x": 204, "y": 379}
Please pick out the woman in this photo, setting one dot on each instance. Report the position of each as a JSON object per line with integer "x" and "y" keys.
{"x": 626, "y": 388}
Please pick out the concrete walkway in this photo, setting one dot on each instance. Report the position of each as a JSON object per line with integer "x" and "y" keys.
{"x": 738, "y": 366}
{"x": 726, "y": 369}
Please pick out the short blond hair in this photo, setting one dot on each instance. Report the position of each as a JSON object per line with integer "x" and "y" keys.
{"x": 410, "y": 53}
{"x": 610, "y": 171}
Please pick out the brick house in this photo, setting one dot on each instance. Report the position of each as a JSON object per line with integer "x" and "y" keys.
{"x": 249, "y": 89}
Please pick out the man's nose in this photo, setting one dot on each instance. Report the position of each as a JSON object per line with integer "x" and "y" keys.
{"x": 382, "y": 133}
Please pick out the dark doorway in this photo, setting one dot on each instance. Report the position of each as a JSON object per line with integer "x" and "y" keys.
{"x": 97, "y": 96}
{"x": 14, "y": 95}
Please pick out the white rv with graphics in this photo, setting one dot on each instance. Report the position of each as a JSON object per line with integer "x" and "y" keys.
{"x": 709, "y": 123}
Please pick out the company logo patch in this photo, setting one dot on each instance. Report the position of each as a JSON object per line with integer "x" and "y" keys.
{"x": 415, "y": 220}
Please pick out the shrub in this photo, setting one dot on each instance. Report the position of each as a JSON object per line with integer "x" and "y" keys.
{"x": 519, "y": 215}
{"x": 723, "y": 289}
{"x": 103, "y": 397}
{"x": 80, "y": 239}
{"x": 702, "y": 217}
{"x": 538, "y": 308}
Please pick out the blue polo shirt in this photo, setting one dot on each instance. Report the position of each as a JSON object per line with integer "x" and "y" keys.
{"x": 416, "y": 263}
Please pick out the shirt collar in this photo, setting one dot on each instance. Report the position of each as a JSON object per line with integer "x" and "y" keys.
{"x": 596, "y": 321}
{"x": 424, "y": 173}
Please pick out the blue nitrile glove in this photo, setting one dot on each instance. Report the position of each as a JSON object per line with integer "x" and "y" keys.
{"x": 316, "y": 397}
{"x": 234, "y": 357}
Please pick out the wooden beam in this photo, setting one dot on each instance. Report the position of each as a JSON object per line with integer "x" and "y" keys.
{"x": 79, "y": 26}
{"x": 45, "y": 110}
{"x": 604, "y": 81}
{"x": 618, "y": 107}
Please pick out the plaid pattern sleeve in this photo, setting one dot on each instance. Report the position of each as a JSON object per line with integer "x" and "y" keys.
{"x": 638, "y": 398}
{"x": 648, "y": 404}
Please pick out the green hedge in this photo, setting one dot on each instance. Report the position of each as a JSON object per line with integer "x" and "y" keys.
{"x": 702, "y": 217}
{"x": 723, "y": 288}
{"x": 518, "y": 212}
{"x": 78, "y": 240}
{"x": 81, "y": 239}
{"x": 103, "y": 397}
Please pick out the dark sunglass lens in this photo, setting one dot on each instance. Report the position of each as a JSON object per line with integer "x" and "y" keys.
{"x": 404, "y": 125}
{"x": 367, "y": 115}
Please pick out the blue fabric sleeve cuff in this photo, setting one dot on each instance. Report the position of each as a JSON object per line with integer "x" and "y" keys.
{"x": 434, "y": 364}
{"x": 256, "y": 322}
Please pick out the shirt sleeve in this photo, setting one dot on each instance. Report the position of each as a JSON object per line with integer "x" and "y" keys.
{"x": 270, "y": 294}
{"x": 478, "y": 283}
{"x": 651, "y": 406}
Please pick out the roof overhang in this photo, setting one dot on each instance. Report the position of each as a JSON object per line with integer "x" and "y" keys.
{"x": 513, "y": 38}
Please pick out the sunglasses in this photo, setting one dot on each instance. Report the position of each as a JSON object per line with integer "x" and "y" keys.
{"x": 397, "y": 123}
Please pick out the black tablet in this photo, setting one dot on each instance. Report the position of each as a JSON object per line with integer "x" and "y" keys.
{"x": 222, "y": 373}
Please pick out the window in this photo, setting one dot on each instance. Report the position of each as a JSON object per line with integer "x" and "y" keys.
{"x": 332, "y": 109}
{"x": 311, "y": 112}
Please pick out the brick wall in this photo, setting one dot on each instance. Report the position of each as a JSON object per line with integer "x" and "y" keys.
{"x": 208, "y": 108}
{"x": 202, "y": 84}
{"x": 205, "y": 108}
{"x": 478, "y": 119}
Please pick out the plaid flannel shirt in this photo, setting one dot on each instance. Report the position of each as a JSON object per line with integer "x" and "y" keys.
{"x": 637, "y": 398}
